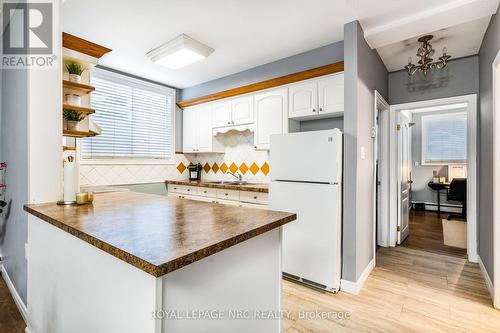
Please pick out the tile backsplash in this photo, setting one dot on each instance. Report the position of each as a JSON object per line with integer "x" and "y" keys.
{"x": 239, "y": 155}
{"x": 121, "y": 174}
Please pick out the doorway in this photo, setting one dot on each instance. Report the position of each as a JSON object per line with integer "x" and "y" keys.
{"x": 411, "y": 160}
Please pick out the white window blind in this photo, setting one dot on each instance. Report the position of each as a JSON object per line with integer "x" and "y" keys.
{"x": 135, "y": 116}
{"x": 444, "y": 138}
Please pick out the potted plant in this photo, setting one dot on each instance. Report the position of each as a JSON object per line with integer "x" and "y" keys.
{"x": 75, "y": 71}
{"x": 72, "y": 118}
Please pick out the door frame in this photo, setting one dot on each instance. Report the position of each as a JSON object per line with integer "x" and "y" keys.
{"x": 380, "y": 194}
{"x": 471, "y": 100}
{"x": 496, "y": 180}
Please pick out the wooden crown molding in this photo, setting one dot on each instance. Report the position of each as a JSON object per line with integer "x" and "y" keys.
{"x": 279, "y": 81}
{"x": 83, "y": 46}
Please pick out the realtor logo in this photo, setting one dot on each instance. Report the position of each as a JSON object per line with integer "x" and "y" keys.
{"x": 27, "y": 35}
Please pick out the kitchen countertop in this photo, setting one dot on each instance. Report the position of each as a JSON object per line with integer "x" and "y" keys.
{"x": 159, "y": 234}
{"x": 263, "y": 188}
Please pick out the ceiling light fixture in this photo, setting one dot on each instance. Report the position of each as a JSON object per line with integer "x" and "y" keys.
{"x": 425, "y": 52}
{"x": 179, "y": 52}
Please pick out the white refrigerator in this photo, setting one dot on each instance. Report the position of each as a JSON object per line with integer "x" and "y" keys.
{"x": 306, "y": 178}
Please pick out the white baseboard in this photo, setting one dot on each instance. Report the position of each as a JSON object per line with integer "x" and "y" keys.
{"x": 17, "y": 299}
{"x": 487, "y": 279}
{"x": 355, "y": 287}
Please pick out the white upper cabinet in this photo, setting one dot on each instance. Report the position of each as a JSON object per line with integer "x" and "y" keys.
{"x": 221, "y": 114}
{"x": 303, "y": 99}
{"x": 322, "y": 97}
{"x": 331, "y": 94}
{"x": 189, "y": 129}
{"x": 197, "y": 131}
{"x": 232, "y": 112}
{"x": 242, "y": 110}
{"x": 270, "y": 109}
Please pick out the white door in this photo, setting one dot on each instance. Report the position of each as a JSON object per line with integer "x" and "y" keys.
{"x": 311, "y": 244}
{"x": 303, "y": 99}
{"x": 204, "y": 130}
{"x": 242, "y": 110}
{"x": 331, "y": 94}
{"x": 221, "y": 114}
{"x": 270, "y": 111}
{"x": 404, "y": 166}
{"x": 189, "y": 129}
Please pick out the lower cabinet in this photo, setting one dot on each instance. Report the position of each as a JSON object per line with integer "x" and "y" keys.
{"x": 223, "y": 196}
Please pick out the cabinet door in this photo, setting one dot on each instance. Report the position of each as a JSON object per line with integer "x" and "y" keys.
{"x": 331, "y": 94}
{"x": 189, "y": 132}
{"x": 303, "y": 99}
{"x": 221, "y": 114}
{"x": 270, "y": 111}
{"x": 242, "y": 110}
{"x": 204, "y": 130}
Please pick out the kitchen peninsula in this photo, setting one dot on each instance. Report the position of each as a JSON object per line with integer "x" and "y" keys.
{"x": 136, "y": 262}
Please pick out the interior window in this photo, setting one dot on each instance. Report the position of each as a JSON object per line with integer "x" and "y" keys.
{"x": 444, "y": 138}
{"x": 135, "y": 116}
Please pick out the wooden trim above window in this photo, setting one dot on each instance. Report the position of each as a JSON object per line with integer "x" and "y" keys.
{"x": 83, "y": 46}
{"x": 279, "y": 81}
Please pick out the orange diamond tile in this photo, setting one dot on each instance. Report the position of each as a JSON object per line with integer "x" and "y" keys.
{"x": 223, "y": 167}
{"x": 254, "y": 168}
{"x": 215, "y": 168}
{"x": 243, "y": 168}
{"x": 265, "y": 168}
{"x": 181, "y": 167}
{"x": 206, "y": 167}
{"x": 233, "y": 167}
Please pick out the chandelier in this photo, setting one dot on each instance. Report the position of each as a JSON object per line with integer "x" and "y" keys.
{"x": 425, "y": 52}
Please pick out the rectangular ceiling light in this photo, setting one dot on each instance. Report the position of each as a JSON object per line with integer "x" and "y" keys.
{"x": 179, "y": 52}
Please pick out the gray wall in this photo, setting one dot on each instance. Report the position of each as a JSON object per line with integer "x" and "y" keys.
{"x": 315, "y": 58}
{"x": 422, "y": 174}
{"x": 13, "y": 150}
{"x": 322, "y": 124}
{"x": 489, "y": 50}
{"x": 459, "y": 77}
{"x": 364, "y": 73}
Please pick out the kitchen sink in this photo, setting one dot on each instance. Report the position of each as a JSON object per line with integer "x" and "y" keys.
{"x": 222, "y": 182}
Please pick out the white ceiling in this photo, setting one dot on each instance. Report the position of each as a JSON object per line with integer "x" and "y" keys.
{"x": 460, "y": 40}
{"x": 249, "y": 33}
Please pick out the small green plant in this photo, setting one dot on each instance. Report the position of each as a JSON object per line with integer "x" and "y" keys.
{"x": 74, "y": 68}
{"x": 72, "y": 115}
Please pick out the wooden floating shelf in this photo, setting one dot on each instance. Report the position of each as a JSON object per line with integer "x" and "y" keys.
{"x": 79, "y": 89}
{"x": 83, "y": 46}
{"x": 77, "y": 134}
{"x": 80, "y": 109}
{"x": 276, "y": 82}
{"x": 66, "y": 148}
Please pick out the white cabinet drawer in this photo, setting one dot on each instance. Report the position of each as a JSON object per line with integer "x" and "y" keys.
{"x": 228, "y": 194}
{"x": 183, "y": 189}
{"x": 207, "y": 192}
{"x": 254, "y": 197}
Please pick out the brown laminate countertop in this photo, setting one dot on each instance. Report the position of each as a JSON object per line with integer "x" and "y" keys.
{"x": 263, "y": 188}
{"x": 159, "y": 234}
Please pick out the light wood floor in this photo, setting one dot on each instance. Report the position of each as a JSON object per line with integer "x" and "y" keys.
{"x": 409, "y": 290}
{"x": 10, "y": 318}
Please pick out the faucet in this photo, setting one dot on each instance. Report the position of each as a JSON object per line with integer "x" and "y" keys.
{"x": 236, "y": 175}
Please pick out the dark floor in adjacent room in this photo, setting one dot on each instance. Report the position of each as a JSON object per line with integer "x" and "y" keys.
{"x": 426, "y": 233}
{"x": 10, "y": 318}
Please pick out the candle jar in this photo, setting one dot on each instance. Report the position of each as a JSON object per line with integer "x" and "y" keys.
{"x": 82, "y": 198}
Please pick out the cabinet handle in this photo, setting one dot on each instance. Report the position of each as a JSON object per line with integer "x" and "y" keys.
{"x": 226, "y": 194}
{"x": 314, "y": 110}
{"x": 229, "y": 123}
{"x": 320, "y": 109}
{"x": 188, "y": 190}
{"x": 204, "y": 191}
{"x": 232, "y": 122}
{"x": 255, "y": 197}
